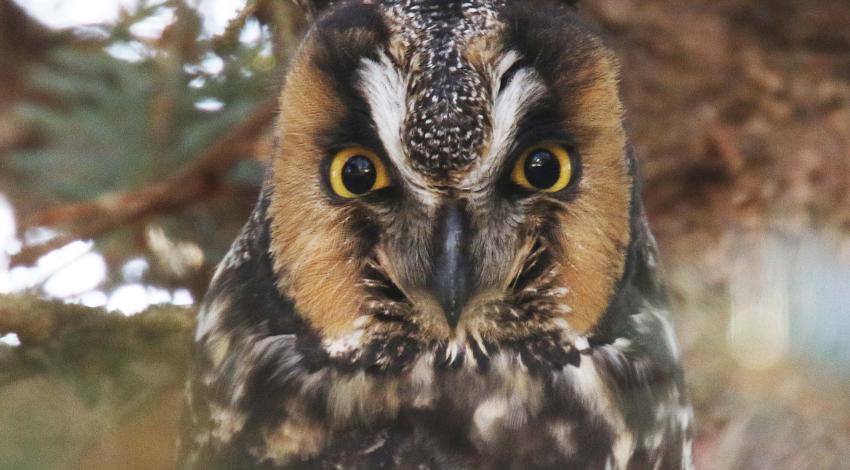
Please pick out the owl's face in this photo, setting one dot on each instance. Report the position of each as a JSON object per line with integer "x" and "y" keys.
{"x": 449, "y": 175}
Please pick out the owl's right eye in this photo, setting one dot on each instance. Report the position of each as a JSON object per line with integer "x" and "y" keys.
{"x": 356, "y": 172}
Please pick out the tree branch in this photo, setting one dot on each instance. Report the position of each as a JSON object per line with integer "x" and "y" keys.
{"x": 198, "y": 180}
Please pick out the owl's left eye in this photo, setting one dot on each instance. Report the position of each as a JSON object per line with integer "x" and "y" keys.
{"x": 544, "y": 167}
{"x": 357, "y": 171}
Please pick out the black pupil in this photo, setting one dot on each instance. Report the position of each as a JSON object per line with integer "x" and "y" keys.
{"x": 359, "y": 174}
{"x": 542, "y": 169}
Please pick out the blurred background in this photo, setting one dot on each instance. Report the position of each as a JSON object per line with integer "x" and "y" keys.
{"x": 133, "y": 135}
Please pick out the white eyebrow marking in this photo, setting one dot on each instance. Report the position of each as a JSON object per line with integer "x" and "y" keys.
{"x": 510, "y": 105}
{"x": 385, "y": 90}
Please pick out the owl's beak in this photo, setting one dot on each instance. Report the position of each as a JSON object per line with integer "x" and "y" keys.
{"x": 450, "y": 280}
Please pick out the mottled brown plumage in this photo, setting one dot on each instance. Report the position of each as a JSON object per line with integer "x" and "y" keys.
{"x": 460, "y": 315}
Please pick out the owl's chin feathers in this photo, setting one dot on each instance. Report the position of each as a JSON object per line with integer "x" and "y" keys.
{"x": 530, "y": 302}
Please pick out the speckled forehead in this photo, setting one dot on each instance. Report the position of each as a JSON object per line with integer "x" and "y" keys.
{"x": 449, "y": 97}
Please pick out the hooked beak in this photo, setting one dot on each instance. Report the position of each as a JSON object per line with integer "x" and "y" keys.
{"x": 451, "y": 275}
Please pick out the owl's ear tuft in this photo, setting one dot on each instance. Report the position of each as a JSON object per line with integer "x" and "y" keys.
{"x": 313, "y": 8}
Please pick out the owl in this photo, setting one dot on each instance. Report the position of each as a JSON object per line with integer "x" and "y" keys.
{"x": 449, "y": 266}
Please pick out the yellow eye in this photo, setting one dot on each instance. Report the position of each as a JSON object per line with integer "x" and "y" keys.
{"x": 544, "y": 167}
{"x": 357, "y": 171}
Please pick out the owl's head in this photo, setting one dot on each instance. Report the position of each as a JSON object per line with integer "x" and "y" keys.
{"x": 448, "y": 172}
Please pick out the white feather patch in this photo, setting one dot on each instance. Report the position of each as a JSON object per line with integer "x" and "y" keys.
{"x": 509, "y": 107}
{"x": 209, "y": 317}
{"x": 385, "y": 90}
